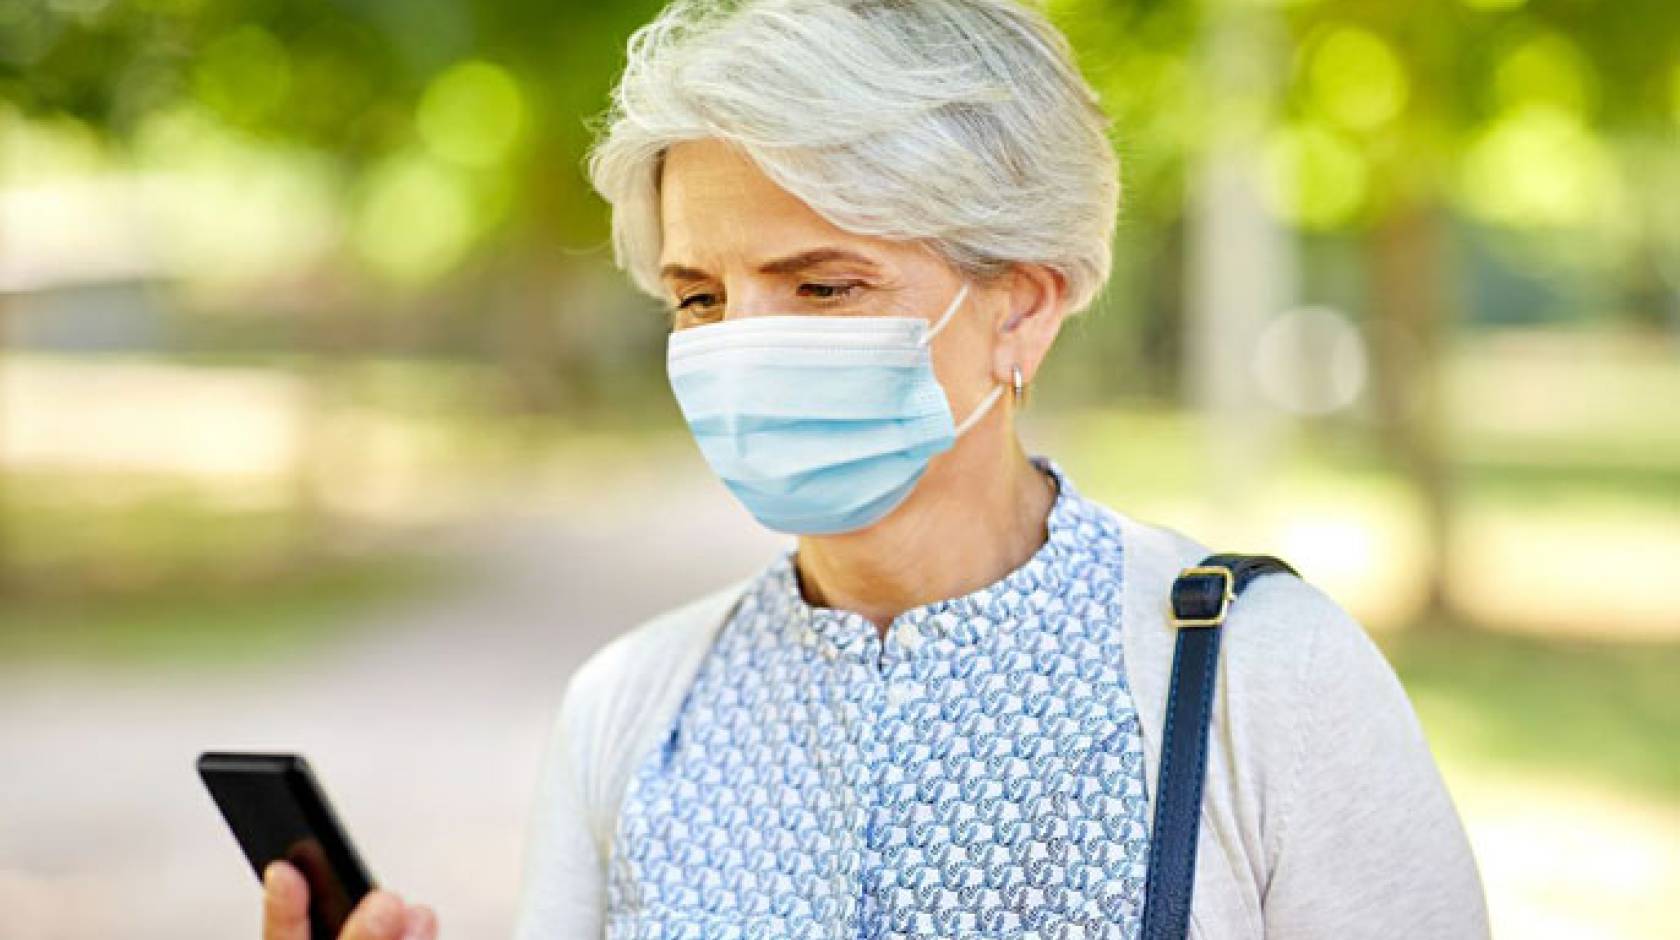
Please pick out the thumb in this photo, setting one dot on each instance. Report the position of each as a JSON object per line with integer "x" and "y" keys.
{"x": 421, "y": 923}
{"x": 285, "y": 903}
{"x": 378, "y": 916}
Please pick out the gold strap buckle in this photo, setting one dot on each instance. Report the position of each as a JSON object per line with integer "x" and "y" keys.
{"x": 1224, "y": 600}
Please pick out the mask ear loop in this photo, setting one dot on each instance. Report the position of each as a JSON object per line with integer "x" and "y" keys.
{"x": 980, "y": 410}
{"x": 945, "y": 317}
{"x": 997, "y": 390}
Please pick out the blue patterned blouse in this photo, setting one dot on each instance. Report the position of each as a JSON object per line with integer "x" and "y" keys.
{"x": 978, "y": 774}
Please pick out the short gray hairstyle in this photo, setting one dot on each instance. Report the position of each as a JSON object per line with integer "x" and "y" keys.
{"x": 962, "y": 124}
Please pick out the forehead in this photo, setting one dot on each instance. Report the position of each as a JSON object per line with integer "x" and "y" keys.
{"x": 718, "y": 208}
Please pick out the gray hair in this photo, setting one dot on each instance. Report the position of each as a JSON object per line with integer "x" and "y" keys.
{"x": 962, "y": 124}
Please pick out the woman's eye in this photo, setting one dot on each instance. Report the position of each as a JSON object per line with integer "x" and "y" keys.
{"x": 830, "y": 291}
{"x": 688, "y": 302}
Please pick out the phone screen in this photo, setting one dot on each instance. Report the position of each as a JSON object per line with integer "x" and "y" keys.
{"x": 276, "y": 809}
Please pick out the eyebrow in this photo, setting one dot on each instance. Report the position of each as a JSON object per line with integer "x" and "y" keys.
{"x": 794, "y": 262}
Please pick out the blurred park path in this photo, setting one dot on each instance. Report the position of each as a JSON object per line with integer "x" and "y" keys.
{"x": 426, "y": 728}
{"x": 1567, "y": 862}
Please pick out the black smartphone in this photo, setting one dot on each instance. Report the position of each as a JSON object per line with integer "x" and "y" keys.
{"x": 277, "y": 809}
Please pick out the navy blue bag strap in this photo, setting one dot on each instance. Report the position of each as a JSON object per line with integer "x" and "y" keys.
{"x": 1201, "y": 595}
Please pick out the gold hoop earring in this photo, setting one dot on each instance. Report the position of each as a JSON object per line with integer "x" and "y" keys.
{"x": 1020, "y": 386}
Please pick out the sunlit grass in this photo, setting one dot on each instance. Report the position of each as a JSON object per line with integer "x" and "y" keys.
{"x": 114, "y": 569}
{"x": 1598, "y": 712}
{"x": 207, "y": 624}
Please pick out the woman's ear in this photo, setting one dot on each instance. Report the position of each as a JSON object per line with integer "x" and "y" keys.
{"x": 1037, "y": 304}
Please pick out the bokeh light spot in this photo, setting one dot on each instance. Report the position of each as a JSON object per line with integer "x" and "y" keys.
{"x": 415, "y": 219}
{"x": 1313, "y": 176}
{"x": 1310, "y": 360}
{"x": 1356, "y": 79}
{"x": 243, "y": 75}
{"x": 1545, "y": 69}
{"x": 472, "y": 114}
{"x": 1539, "y": 166}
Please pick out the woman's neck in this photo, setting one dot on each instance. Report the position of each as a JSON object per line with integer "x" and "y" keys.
{"x": 970, "y": 521}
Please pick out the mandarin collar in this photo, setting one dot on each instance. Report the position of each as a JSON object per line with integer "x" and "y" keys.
{"x": 967, "y": 618}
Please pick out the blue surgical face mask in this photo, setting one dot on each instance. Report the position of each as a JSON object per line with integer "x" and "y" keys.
{"x": 817, "y": 424}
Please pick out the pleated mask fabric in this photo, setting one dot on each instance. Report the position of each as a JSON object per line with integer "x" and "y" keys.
{"x": 817, "y": 424}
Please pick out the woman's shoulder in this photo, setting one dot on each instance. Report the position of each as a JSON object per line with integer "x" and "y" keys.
{"x": 1288, "y": 650}
{"x": 1320, "y": 782}
{"x": 1277, "y": 615}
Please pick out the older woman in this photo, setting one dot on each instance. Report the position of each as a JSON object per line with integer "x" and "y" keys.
{"x": 940, "y": 713}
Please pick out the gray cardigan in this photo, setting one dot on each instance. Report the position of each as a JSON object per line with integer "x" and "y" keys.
{"x": 1324, "y": 815}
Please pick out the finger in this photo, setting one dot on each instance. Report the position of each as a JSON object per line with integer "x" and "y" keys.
{"x": 285, "y": 902}
{"x": 379, "y": 916}
{"x": 420, "y": 923}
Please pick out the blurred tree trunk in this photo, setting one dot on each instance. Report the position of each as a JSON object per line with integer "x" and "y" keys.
{"x": 6, "y": 573}
{"x": 1161, "y": 342}
{"x": 1240, "y": 266}
{"x": 1647, "y": 299}
{"x": 323, "y": 342}
{"x": 1409, "y": 302}
{"x": 525, "y": 287}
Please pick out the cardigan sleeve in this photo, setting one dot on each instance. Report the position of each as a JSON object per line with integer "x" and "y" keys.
{"x": 1370, "y": 844}
{"x": 563, "y": 896}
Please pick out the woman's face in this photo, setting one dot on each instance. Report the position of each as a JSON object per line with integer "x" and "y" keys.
{"x": 737, "y": 245}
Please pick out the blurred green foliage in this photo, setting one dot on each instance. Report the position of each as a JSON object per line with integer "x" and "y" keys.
{"x": 449, "y": 129}
{"x": 484, "y": 101}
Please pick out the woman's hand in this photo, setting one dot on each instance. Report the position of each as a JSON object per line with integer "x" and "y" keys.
{"x": 381, "y": 915}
